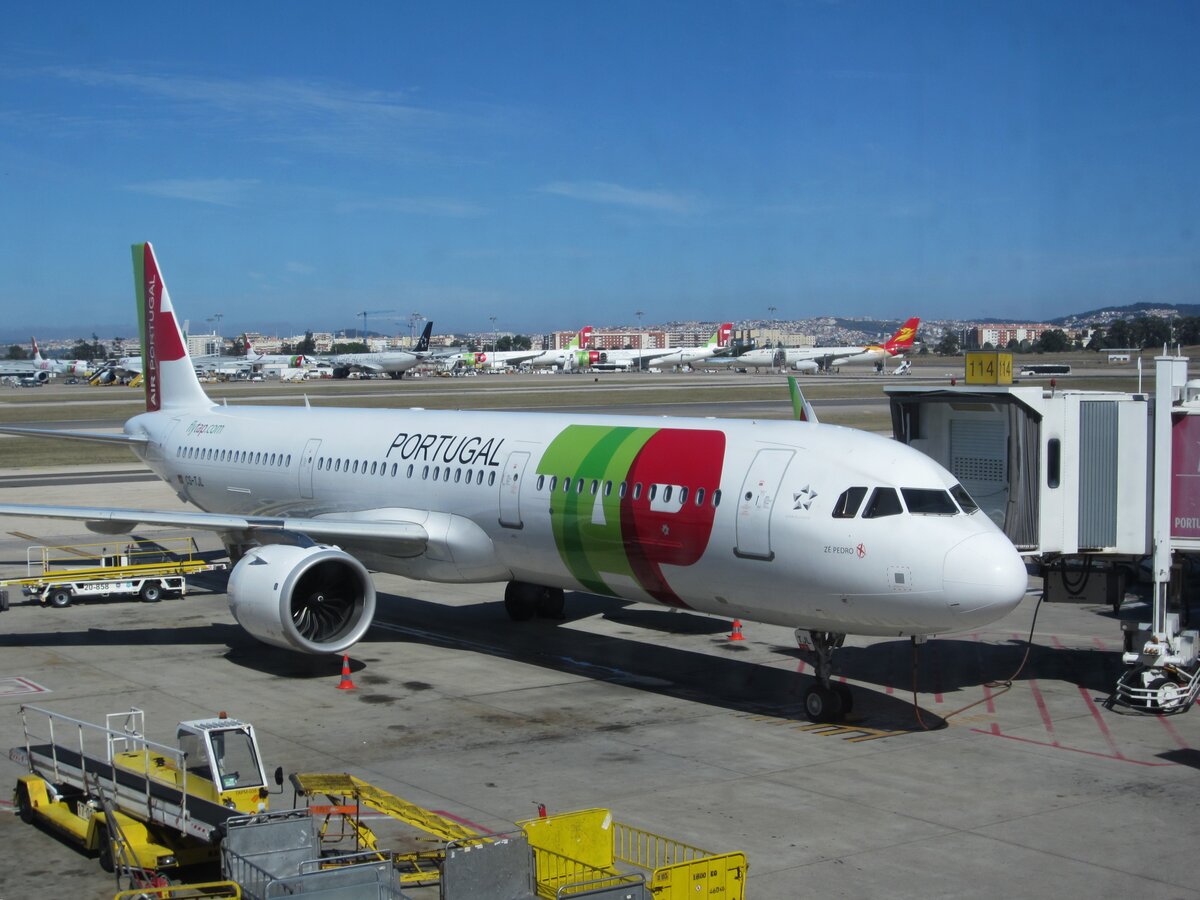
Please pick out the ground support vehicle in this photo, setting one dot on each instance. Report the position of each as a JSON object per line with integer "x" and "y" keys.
{"x": 589, "y": 853}
{"x": 146, "y": 809}
{"x": 146, "y": 569}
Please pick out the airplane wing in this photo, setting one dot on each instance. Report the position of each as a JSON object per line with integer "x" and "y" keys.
{"x": 10, "y": 369}
{"x": 404, "y": 536}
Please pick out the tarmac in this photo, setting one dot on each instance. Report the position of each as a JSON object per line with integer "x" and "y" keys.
{"x": 982, "y": 788}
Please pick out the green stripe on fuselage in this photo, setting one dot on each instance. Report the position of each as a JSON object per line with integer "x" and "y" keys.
{"x": 588, "y": 538}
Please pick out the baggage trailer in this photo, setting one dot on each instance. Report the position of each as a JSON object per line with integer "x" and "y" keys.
{"x": 145, "y": 809}
{"x": 150, "y": 570}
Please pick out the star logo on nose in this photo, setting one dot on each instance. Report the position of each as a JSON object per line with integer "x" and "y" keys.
{"x": 803, "y": 498}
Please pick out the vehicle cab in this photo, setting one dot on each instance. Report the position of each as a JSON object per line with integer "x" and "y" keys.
{"x": 223, "y": 762}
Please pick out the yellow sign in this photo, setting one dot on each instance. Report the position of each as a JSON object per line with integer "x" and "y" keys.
{"x": 989, "y": 368}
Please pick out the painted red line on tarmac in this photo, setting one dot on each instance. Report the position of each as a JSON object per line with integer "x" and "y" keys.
{"x": 461, "y": 821}
{"x": 1124, "y": 759}
{"x": 1166, "y": 723}
{"x": 991, "y": 701}
{"x": 1045, "y": 713}
{"x": 1100, "y": 723}
{"x": 890, "y": 689}
{"x": 996, "y": 730}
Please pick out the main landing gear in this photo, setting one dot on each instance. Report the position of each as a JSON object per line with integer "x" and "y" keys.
{"x": 825, "y": 701}
{"x": 523, "y": 601}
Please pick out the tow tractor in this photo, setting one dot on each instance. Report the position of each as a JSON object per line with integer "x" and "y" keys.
{"x": 145, "y": 569}
{"x": 146, "y": 809}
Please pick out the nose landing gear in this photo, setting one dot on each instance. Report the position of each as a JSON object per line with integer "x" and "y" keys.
{"x": 825, "y": 701}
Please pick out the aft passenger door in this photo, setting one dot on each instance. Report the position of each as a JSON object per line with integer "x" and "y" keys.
{"x": 756, "y": 501}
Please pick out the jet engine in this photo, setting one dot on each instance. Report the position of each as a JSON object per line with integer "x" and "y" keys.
{"x": 314, "y": 599}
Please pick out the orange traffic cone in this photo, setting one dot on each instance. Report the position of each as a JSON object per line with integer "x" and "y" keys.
{"x": 737, "y": 631}
{"x": 346, "y": 684}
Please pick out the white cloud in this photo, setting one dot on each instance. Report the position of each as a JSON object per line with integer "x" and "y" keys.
{"x": 217, "y": 191}
{"x": 618, "y": 195}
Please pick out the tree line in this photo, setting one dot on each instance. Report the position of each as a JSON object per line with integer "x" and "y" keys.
{"x": 1141, "y": 333}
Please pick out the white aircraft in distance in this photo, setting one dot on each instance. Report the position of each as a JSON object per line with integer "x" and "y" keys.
{"x": 821, "y": 528}
{"x": 393, "y": 363}
{"x": 606, "y": 360}
{"x": 59, "y": 366}
{"x": 813, "y": 359}
{"x": 565, "y": 357}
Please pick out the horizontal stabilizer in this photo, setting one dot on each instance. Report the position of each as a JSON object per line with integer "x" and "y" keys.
{"x": 96, "y": 437}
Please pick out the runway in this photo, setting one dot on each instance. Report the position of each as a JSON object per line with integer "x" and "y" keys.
{"x": 982, "y": 788}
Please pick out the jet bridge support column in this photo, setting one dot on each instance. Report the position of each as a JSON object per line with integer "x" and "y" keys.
{"x": 1164, "y": 676}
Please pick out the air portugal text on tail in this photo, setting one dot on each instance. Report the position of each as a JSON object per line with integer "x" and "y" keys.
{"x": 828, "y": 530}
{"x": 169, "y": 377}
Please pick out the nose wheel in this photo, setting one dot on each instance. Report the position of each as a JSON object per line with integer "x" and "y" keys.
{"x": 825, "y": 701}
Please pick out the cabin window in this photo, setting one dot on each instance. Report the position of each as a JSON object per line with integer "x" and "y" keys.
{"x": 289, "y": 461}
{"x": 425, "y": 473}
{"x": 621, "y": 490}
{"x": 457, "y": 475}
{"x": 699, "y": 496}
{"x": 410, "y": 470}
{"x": 595, "y": 486}
{"x": 653, "y": 492}
{"x": 637, "y": 490}
{"x": 666, "y": 494}
{"x": 553, "y": 483}
{"x": 716, "y": 498}
{"x": 884, "y": 502}
{"x": 479, "y": 477}
{"x": 364, "y": 467}
{"x": 683, "y": 495}
{"x": 491, "y": 478}
{"x": 965, "y": 500}
{"x": 579, "y": 486}
{"x": 541, "y": 482}
{"x": 395, "y": 469}
{"x": 566, "y": 485}
{"x": 446, "y": 474}
{"x": 607, "y": 488}
{"x": 373, "y": 465}
{"x": 354, "y": 471}
{"x": 437, "y": 473}
{"x": 926, "y": 502}
{"x": 337, "y": 465}
{"x": 847, "y": 505}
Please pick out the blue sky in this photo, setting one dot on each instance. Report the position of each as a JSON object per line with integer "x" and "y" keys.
{"x": 555, "y": 163}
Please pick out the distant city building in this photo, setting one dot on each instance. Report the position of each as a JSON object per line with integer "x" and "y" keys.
{"x": 999, "y": 336}
{"x": 203, "y": 344}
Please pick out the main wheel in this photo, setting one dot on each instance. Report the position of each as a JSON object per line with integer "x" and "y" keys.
{"x": 151, "y": 592}
{"x": 60, "y": 598}
{"x": 519, "y": 602}
{"x": 550, "y": 603}
{"x": 822, "y": 704}
{"x": 845, "y": 695}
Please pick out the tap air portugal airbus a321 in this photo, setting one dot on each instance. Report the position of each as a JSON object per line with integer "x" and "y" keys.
{"x": 828, "y": 530}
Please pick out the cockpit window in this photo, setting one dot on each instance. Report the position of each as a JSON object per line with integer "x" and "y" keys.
{"x": 964, "y": 499}
{"x": 925, "y": 502}
{"x": 884, "y": 502}
{"x": 847, "y": 505}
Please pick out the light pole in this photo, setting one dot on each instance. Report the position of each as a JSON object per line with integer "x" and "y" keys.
{"x": 493, "y": 318}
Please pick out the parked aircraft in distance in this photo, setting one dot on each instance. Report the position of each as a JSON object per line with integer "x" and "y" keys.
{"x": 605, "y": 360}
{"x": 393, "y": 363}
{"x": 567, "y": 357}
{"x": 812, "y": 359}
{"x": 59, "y": 366}
{"x": 824, "y": 529}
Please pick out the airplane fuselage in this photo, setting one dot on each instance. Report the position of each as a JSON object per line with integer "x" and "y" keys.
{"x": 710, "y": 515}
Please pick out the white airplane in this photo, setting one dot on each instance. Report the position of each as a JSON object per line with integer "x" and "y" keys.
{"x": 59, "y": 366}
{"x": 393, "y": 363}
{"x": 565, "y": 357}
{"x": 824, "y": 529}
{"x": 604, "y": 360}
{"x": 812, "y": 359}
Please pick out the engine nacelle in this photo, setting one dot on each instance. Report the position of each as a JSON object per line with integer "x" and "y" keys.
{"x": 313, "y": 599}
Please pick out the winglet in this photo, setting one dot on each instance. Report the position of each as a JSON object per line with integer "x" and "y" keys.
{"x": 801, "y": 409}
{"x": 167, "y": 370}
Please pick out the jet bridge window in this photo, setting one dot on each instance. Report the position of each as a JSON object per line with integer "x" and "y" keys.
{"x": 847, "y": 505}
{"x": 927, "y": 502}
{"x": 884, "y": 502}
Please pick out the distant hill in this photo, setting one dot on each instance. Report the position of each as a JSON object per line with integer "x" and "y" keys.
{"x": 1128, "y": 311}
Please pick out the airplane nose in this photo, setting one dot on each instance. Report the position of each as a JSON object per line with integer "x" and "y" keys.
{"x": 984, "y": 578}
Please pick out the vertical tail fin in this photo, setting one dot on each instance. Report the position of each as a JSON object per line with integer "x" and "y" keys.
{"x": 422, "y": 345}
{"x": 902, "y": 340}
{"x": 720, "y": 337}
{"x": 37, "y": 354}
{"x": 582, "y": 338}
{"x": 167, "y": 371}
